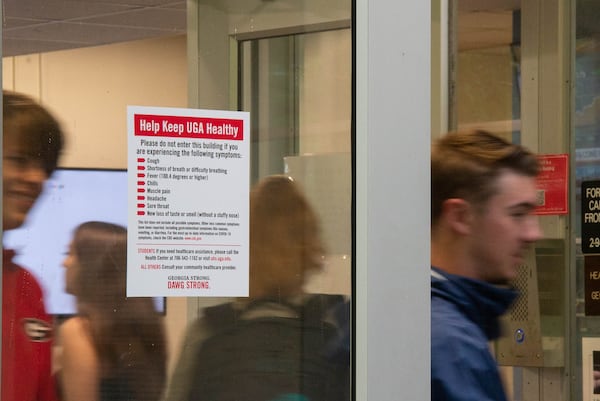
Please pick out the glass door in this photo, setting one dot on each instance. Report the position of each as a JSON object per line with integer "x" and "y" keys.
{"x": 288, "y": 63}
{"x": 508, "y": 68}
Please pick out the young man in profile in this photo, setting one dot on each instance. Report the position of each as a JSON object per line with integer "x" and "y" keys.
{"x": 32, "y": 141}
{"x": 483, "y": 194}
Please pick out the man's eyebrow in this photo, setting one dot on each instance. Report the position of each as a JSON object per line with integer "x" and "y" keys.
{"x": 523, "y": 205}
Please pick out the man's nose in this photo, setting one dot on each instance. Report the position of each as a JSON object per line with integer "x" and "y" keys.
{"x": 533, "y": 230}
{"x": 34, "y": 172}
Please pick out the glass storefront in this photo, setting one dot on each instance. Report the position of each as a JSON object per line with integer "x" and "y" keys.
{"x": 510, "y": 75}
{"x": 526, "y": 70}
{"x": 339, "y": 98}
{"x": 290, "y": 65}
{"x": 585, "y": 165}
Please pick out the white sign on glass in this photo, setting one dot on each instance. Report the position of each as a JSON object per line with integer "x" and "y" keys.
{"x": 188, "y": 206}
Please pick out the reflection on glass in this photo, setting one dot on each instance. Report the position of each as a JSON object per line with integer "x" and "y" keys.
{"x": 488, "y": 72}
{"x": 290, "y": 66}
{"x": 586, "y": 120}
{"x": 298, "y": 89}
{"x": 280, "y": 343}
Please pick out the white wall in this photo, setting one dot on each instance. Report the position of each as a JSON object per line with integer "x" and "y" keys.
{"x": 89, "y": 89}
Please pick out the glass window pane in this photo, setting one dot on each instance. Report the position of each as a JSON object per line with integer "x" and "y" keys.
{"x": 290, "y": 65}
{"x": 487, "y": 70}
{"x": 586, "y": 119}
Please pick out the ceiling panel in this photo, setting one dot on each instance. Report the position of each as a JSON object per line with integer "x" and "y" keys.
{"x": 37, "y": 26}
{"x": 59, "y": 10}
{"x": 88, "y": 34}
{"x": 167, "y": 19}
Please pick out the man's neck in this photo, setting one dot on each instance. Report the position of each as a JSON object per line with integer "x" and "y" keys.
{"x": 452, "y": 258}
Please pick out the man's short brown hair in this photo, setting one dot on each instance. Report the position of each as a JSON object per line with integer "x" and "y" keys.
{"x": 31, "y": 124}
{"x": 466, "y": 164}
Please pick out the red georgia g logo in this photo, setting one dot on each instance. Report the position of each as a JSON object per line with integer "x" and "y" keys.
{"x": 37, "y": 330}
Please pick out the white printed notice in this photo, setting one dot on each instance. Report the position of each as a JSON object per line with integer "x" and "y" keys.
{"x": 188, "y": 205}
{"x": 590, "y": 366}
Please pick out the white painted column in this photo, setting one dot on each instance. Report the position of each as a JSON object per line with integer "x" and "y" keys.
{"x": 392, "y": 199}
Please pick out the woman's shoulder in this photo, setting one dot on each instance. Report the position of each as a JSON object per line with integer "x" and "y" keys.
{"x": 77, "y": 344}
{"x": 76, "y": 328}
{"x": 74, "y": 324}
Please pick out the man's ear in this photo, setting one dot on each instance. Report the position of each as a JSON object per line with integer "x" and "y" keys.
{"x": 458, "y": 215}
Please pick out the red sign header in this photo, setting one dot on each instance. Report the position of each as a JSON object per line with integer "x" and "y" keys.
{"x": 188, "y": 127}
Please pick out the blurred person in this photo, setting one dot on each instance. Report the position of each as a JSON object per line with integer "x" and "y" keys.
{"x": 273, "y": 345}
{"x": 483, "y": 195}
{"x": 115, "y": 348}
{"x": 32, "y": 142}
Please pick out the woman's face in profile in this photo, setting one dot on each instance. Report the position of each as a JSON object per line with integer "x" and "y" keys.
{"x": 71, "y": 264}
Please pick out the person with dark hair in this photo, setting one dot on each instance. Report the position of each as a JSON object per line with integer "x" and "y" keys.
{"x": 32, "y": 142}
{"x": 274, "y": 344}
{"x": 483, "y": 195}
{"x": 115, "y": 348}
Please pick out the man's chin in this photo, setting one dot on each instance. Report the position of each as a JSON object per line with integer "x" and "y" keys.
{"x": 504, "y": 281}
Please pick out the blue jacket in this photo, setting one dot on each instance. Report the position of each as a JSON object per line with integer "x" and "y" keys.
{"x": 464, "y": 318}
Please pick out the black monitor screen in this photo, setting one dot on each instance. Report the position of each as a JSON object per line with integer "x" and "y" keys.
{"x": 70, "y": 197}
